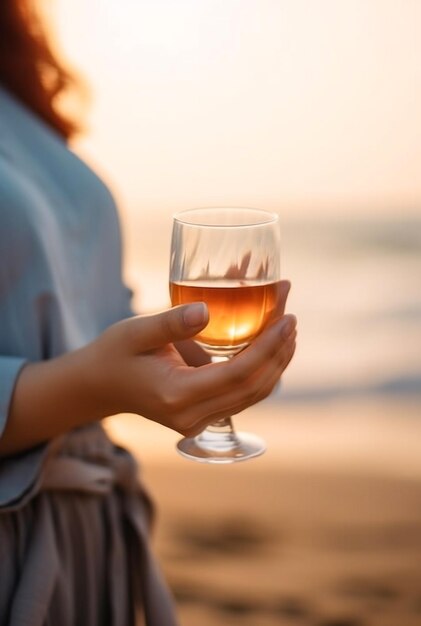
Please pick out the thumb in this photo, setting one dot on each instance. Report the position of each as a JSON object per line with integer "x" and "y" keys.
{"x": 176, "y": 324}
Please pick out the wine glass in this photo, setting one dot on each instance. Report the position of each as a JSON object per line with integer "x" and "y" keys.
{"x": 228, "y": 258}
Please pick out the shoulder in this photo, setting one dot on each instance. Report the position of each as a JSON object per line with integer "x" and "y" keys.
{"x": 40, "y": 173}
{"x": 24, "y": 220}
{"x": 40, "y": 153}
{"x": 16, "y": 191}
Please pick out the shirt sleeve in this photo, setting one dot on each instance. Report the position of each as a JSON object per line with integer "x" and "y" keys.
{"x": 18, "y": 473}
{"x": 10, "y": 367}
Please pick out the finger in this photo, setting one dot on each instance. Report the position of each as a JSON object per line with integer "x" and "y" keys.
{"x": 148, "y": 332}
{"x": 202, "y": 382}
{"x": 262, "y": 384}
{"x": 192, "y": 353}
{"x": 284, "y": 289}
{"x": 212, "y": 413}
{"x": 214, "y": 382}
{"x": 197, "y": 418}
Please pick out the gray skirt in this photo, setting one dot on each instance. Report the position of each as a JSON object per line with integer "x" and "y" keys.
{"x": 75, "y": 550}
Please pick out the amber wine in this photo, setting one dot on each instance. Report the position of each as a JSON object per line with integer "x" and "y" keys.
{"x": 237, "y": 312}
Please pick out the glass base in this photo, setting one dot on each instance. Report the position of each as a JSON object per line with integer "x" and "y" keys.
{"x": 213, "y": 447}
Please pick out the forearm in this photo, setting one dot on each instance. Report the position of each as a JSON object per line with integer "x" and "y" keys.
{"x": 50, "y": 398}
{"x": 134, "y": 367}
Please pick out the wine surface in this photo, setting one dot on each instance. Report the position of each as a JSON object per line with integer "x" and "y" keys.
{"x": 237, "y": 312}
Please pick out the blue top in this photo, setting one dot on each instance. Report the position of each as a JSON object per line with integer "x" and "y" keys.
{"x": 60, "y": 261}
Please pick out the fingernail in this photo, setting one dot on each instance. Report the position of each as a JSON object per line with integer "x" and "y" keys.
{"x": 287, "y": 325}
{"x": 195, "y": 314}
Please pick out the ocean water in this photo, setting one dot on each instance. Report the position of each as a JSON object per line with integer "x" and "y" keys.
{"x": 356, "y": 290}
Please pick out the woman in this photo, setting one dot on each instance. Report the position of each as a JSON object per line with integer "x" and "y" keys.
{"x": 74, "y": 545}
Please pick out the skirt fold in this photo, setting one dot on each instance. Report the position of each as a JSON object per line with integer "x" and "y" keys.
{"x": 77, "y": 553}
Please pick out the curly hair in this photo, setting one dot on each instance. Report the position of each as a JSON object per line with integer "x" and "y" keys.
{"x": 29, "y": 68}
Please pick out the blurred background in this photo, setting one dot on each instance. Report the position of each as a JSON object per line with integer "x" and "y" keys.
{"x": 310, "y": 108}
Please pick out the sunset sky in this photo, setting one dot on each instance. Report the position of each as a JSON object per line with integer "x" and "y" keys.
{"x": 292, "y": 105}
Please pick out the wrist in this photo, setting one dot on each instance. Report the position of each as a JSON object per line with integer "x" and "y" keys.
{"x": 96, "y": 380}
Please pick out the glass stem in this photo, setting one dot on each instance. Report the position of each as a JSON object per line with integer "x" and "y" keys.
{"x": 219, "y": 443}
{"x": 223, "y": 426}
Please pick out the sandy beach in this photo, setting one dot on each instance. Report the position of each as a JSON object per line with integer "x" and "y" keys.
{"x": 323, "y": 530}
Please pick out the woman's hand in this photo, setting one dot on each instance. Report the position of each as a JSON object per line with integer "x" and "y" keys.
{"x": 136, "y": 368}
